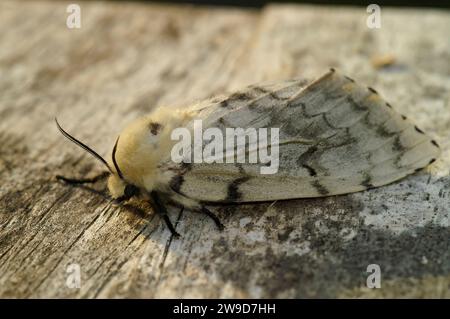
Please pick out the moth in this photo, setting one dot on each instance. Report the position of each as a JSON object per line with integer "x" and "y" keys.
{"x": 335, "y": 137}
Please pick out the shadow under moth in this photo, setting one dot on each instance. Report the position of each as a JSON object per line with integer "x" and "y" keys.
{"x": 335, "y": 137}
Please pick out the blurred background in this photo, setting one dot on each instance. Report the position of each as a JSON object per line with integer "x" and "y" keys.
{"x": 260, "y": 3}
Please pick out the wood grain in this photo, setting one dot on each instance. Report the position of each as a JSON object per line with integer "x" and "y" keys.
{"x": 128, "y": 58}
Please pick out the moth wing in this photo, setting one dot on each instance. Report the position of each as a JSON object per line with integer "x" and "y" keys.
{"x": 335, "y": 137}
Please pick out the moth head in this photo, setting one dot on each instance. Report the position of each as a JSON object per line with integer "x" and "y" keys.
{"x": 137, "y": 153}
{"x": 119, "y": 188}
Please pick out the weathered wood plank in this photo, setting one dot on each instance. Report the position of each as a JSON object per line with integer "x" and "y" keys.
{"x": 128, "y": 58}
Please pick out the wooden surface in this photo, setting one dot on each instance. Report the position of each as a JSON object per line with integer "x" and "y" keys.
{"x": 128, "y": 58}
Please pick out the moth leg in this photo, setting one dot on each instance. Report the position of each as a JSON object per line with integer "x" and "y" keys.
{"x": 91, "y": 180}
{"x": 162, "y": 211}
{"x": 213, "y": 216}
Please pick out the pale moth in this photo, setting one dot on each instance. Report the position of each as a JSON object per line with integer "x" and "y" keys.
{"x": 335, "y": 137}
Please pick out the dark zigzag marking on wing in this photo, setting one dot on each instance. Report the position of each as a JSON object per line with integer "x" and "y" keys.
{"x": 303, "y": 90}
{"x": 307, "y": 155}
{"x": 235, "y": 97}
{"x": 307, "y": 116}
{"x": 233, "y": 193}
{"x": 398, "y": 145}
{"x": 367, "y": 182}
{"x": 176, "y": 182}
{"x": 397, "y": 158}
{"x": 338, "y": 102}
{"x": 367, "y": 153}
{"x": 311, "y": 171}
{"x": 322, "y": 190}
{"x": 374, "y": 125}
{"x": 338, "y": 128}
{"x": 408, "y": 168}
{"x": 378, "y": 127}
{"x": 337, "y": 98}
{"x": 368, "y": 176}
{"x": 260, "y": 89}
{"x": 356, "y": 105}
{"x": 327, "y": 122}
{"x": 367, "y": 179}
{"x": 273, "y": 93}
